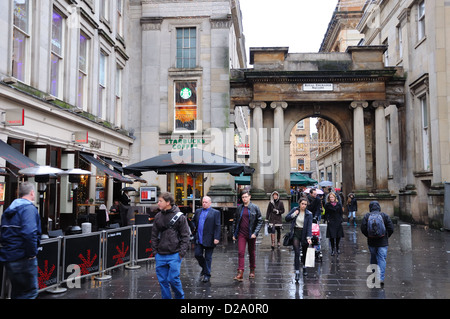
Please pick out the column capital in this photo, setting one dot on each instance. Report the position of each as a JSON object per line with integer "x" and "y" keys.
{"x": 355, "y": 104}
{"x": 377, "y": 104}
{"x": 252, "y": 105}
{"x": 274, "y": 105}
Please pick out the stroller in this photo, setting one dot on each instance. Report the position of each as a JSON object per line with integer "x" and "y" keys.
{"x": 316, "y": 239}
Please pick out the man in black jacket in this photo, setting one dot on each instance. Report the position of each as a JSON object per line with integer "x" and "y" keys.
{"x": 378, "y": 246}
{"x": 170, "y": 244}
{"x": 207, "y": 235}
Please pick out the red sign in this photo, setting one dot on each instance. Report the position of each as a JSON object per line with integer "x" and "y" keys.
{"x": 15, "y": 117}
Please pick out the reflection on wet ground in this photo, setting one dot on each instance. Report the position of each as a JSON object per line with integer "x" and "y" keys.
{"x": 421, "y": 273}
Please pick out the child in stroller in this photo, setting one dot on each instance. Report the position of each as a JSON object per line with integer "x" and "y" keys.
{"x": 316, "y": 239}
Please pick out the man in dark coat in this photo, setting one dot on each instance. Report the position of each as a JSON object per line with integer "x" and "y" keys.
{"x": 19, "y": 239}
{"x": 207, "y": 235}
{"x": 378, "y": 246}
{"x": 314, "y": 204}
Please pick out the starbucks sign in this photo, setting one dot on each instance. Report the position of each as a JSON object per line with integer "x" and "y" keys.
{"x": 185, "y": 93}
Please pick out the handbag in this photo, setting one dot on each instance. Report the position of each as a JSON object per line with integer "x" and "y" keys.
{"x": 288, "y": 239}
{"x": 310, "y": 257}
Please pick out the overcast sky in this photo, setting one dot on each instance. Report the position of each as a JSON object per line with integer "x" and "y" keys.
{"x": 297, "y": 24}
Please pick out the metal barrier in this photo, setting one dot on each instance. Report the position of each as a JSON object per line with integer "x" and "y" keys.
{"x": 70, "y": 258}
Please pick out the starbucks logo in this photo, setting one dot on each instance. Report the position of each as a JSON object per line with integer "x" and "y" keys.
{"x": 185, "y": 93}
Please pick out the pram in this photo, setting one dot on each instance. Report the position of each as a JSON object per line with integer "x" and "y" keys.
{"x": 316, "y": 239}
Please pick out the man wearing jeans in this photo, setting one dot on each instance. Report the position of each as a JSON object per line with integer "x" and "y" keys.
{"x": 170, "y": 243}
{"x": 20, "y": 238}
{"x": 378, "y": 246}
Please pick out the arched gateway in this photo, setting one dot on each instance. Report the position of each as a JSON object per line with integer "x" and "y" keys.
{"x": 352, "y": 90}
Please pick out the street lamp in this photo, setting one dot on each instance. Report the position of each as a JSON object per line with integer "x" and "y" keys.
{"x": 41, "y": 175}
{"x": 75, "y": 178}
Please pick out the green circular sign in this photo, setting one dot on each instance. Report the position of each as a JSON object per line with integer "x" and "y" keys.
{"x": 185, "y": 93}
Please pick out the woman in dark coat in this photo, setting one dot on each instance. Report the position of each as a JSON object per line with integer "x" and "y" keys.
{"x": 333, "y": 216}
{"x": 274, "y": 211}
{"x": 301, "y": 226}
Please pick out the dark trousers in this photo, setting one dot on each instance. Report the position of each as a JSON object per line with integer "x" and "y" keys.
{"x": 23, "y": 275}
{"x": 204, "y": 257}
{"x": 297, "y": 245}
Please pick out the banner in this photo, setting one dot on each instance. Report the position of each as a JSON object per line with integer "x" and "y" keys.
{"x": 48, "y": 263}
{"x": 118, "y": 247}
{"x": 84, "y": 251}
{"x": 144, "y": 242}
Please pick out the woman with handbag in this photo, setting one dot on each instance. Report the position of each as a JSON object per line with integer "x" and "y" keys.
{"x": 274, "y": 211}
{"x": 301, "y": 227}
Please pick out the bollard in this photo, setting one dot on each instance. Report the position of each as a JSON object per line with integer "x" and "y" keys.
{"x": 324, "y": 243}
{"x": 86, "y": 228}
{"x": 405, "y": 237}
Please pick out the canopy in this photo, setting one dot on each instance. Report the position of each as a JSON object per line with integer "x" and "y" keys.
{"x": 302, "y": 180}
{"x": 106, "y": 169}
{"x": 189, "y": 161}
{"x": 13, "y": 156}
{"x": 242, "y": 179}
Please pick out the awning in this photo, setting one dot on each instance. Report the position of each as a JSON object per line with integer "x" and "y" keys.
{"x": 106, "y": 169}
{"x": 242, "y": 179}
{"x": 14, "y": 157}
{"x": 119, "y": 168}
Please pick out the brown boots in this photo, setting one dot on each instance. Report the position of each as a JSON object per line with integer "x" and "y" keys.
{"x": 240, "y": 275}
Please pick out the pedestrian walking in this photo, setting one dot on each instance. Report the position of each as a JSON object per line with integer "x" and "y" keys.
{"x": 352, "y": 206}
{"x": 170, "y": 240}
{"x": 275, "y": 210}
{"x": 20, "y": 239}
{"x": 314, "y": 204}
{"x": 246, "y": 224}
{"x": 333, "y": 216}
{"x": 301, "y": 226}
{"x": 377, "y": 227}
{"x": 207, "y": 236}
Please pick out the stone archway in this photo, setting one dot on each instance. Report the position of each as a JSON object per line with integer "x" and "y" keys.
{"x": 351, "y": 90}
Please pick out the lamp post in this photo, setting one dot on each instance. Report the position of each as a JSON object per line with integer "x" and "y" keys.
{"x": 41, "y": 175}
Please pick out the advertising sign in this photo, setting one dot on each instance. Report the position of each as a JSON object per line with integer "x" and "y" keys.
{"x": 148, "y": 195}
{"x": 83, "y": 251}
{"x": 48, "y": 262}
{"x": 144, "y": 242}
{"x": 118, "y": 247}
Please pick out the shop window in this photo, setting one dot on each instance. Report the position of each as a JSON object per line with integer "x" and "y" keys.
{"x": 181, "y": 185}
{"x": 186, "y": 106}
{"x": 21, "y": 54}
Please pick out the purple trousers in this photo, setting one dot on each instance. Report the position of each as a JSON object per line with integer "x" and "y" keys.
{"x": 251, "y": 243}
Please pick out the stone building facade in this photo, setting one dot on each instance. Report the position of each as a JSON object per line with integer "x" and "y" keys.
{"x": 62, "y": 69}
{"x": 183, "y": 52}
{"x": 418, "y": 132}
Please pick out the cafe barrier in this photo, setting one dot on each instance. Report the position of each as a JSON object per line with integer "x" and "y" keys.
{"x": 68, "y": 259}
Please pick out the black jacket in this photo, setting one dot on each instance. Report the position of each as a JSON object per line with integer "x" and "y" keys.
{"x": 211, "y": 227}
{"x": 307, "y": 224}
{"x": 166, "y": 241}
{"x": 374, "y": 206}
{"x": 255, "y": 220}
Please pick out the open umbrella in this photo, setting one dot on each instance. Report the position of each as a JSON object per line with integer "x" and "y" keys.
{"x": 128, "y": 189}
{"x": 190, "y": 161}
{"x": 326, "y": 184}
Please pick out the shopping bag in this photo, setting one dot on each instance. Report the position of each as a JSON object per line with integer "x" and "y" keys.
{"x": 310, "y": 257}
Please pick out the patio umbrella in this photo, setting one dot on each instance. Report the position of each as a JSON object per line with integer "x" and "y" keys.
{"x": 326, "y": 184}
{"x": 300, "y": 179}
{"x": 190, "y": 161}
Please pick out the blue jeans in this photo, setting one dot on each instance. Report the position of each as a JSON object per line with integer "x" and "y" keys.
{"x": 23, "y": 275}
{"x": 378, "y": 257}
{"x": 168, "y": 273}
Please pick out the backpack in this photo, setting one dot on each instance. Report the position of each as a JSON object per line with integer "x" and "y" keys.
{"x": 375, "y": 225}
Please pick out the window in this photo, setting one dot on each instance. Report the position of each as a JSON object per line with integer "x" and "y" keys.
{"x": 421, "y": 21}
{"x": 300, "y": 143}
{"x": 83, "y": 62}
{"x": 104, "y": 9}
{"x": 21, "y": 40}
{"x": 102, "y": 78}
{"x": 400, "y": 43}
{"x": 57, "y": 68}
{"x": 386, "y": 53}
{"x": 300, "y": 164}
{"x": 119, "y": 22}
{"x": 425, "y": 133}
{"x": 185, "y": 106}
{"x": 186, "y": 47}
{"x": 389, "y": 145}
{"x": 118, "y": 89}
{"x": 301, "y": 125}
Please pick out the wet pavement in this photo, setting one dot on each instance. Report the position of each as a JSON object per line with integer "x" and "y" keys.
{"x": 422, "y": 273}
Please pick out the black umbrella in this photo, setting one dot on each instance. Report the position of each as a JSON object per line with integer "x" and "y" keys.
{"x": 128, "y": 189}
{"x": 189, "y": 161}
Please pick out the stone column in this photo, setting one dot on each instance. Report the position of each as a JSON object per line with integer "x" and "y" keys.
{"x": 359, "y": 144}
{"x": 256, "y": 144}
{"x": 381, "y": 147}
{"x": 278, "y": 146}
